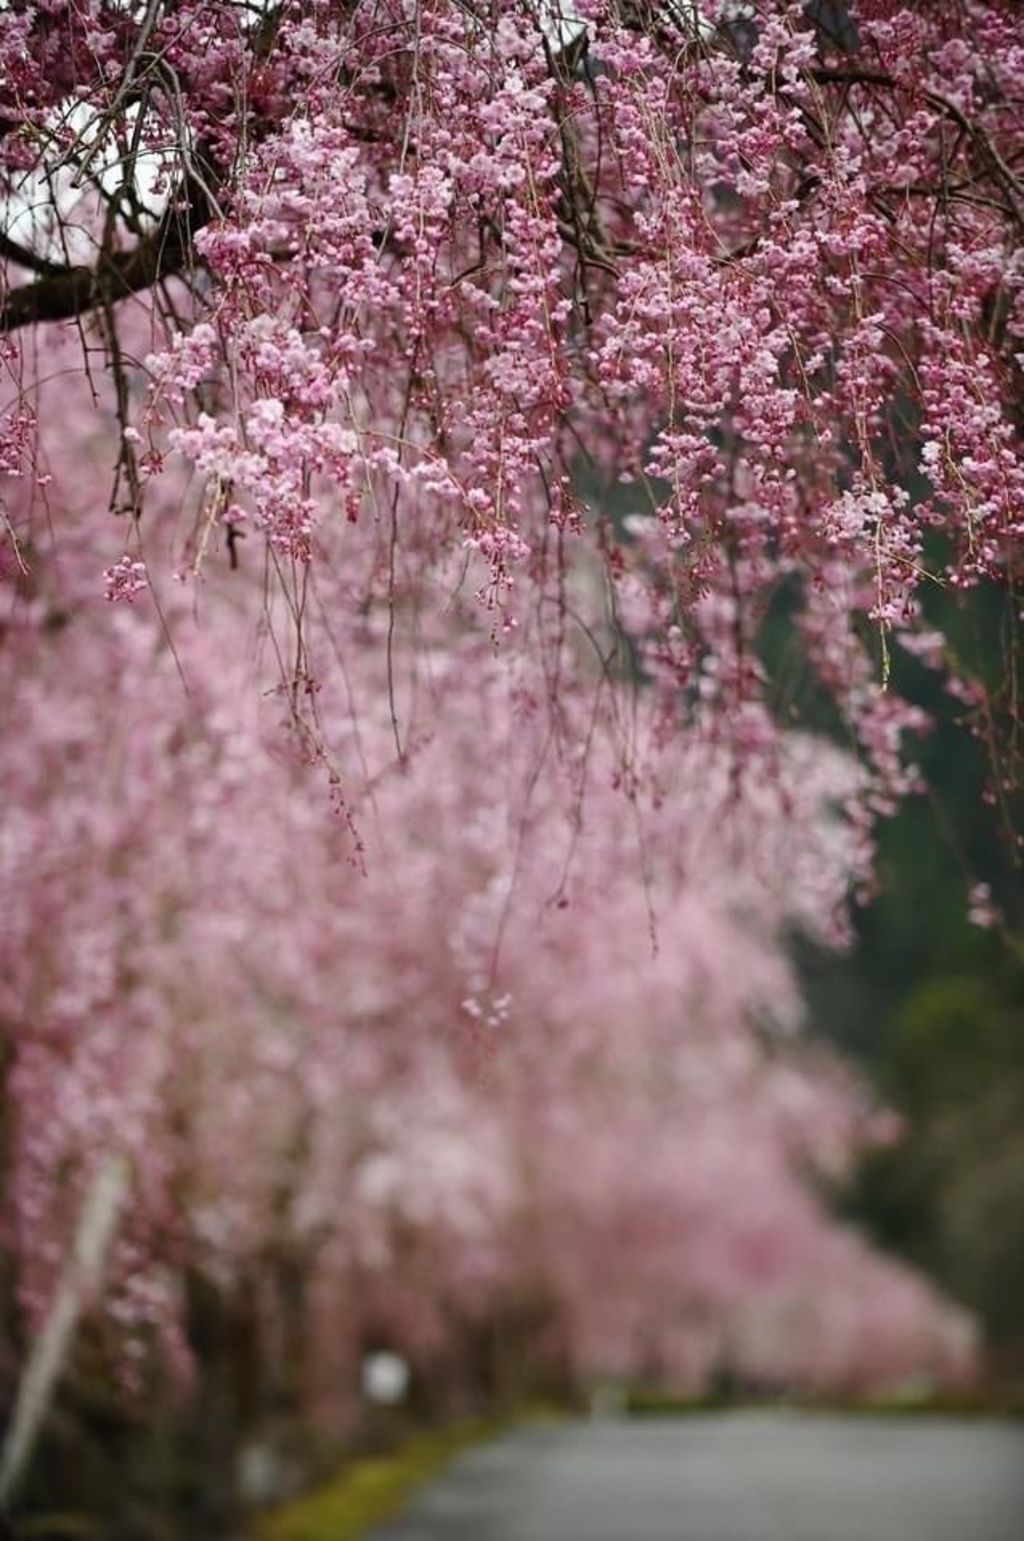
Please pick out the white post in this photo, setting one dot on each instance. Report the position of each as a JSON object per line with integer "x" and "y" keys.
{"x": 50, "y": 1350}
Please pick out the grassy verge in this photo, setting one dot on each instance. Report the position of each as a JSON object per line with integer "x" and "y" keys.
{"x": 369, "y": 1490}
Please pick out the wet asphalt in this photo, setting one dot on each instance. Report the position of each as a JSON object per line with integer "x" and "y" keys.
{"x": 747, "y": 1476}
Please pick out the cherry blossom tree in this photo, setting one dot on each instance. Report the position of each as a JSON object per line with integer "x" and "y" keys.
{"x": 456, "y": 270}
{"x": 414, "y": 415}
{"x": 405, "y": 1056}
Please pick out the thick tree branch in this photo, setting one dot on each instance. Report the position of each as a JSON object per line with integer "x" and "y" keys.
{"x": 1001, "y": 173}
{"x": 61, "y": 294}
{"x": 12, "y": 251}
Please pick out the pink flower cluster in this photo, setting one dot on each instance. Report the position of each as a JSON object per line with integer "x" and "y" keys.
{"x": 125, "y": 578}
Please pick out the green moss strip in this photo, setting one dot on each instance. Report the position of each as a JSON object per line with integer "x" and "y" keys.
{"x": 372, "y": 1489}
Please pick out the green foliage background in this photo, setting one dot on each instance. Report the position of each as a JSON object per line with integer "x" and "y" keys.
{"x": 932, "y": 1004}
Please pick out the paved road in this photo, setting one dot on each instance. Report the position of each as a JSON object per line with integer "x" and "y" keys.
{"x": 734, "y": 1477}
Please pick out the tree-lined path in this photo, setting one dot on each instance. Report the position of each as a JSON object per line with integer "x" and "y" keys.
{"x": 740, "y": 1477}
{"x": 494, "y": 499}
